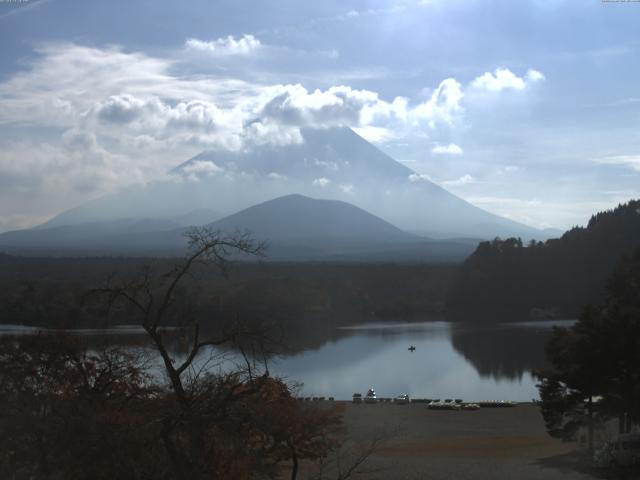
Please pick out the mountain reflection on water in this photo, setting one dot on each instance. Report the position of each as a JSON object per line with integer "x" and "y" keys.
{"x": 451, "y": 360}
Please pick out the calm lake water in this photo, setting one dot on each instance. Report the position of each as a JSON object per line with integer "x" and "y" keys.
{"x": 451, "y": 360}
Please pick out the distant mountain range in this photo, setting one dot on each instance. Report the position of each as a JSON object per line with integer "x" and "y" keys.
{"x": 294, "y": 227}
{"x": 373, "y": 201}
{"x": 331, "y": 163}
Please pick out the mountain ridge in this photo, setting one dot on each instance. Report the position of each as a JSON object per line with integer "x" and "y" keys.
{"x": 294, "y": 226}
{"x": 332, "y": 163}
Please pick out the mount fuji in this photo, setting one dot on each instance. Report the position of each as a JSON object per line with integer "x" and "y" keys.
{"x": 328, "y": 164}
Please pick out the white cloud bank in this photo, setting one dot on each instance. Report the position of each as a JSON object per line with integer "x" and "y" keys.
{"x": 505, "y": 79}
{"x": 444, "y": 105}
{"x": 229, "y": 45}
{"x": 451, "y": 149}
{"x": 113, "y": 117}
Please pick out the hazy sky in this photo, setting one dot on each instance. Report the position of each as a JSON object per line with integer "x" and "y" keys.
{"x": 529, "y": 109}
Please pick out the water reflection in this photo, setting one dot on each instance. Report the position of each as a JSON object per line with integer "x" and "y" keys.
{"x": 501, "y": 351}
{"x": 474, "y": 362}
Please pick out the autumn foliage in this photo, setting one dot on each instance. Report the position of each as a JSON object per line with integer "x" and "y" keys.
{"x": 66, "y": 412}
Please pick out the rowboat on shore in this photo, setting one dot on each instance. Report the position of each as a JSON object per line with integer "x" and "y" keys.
{"x": 444, "y": 405}
{"x": 497, "y": 404}
{"x": 402, "y": 399}
{"x": 371, "y": 396}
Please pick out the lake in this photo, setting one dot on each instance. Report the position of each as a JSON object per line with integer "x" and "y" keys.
{"x": 451, "y": 360}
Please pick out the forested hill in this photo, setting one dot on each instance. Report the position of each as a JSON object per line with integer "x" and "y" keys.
{"x": 506, "y": 279}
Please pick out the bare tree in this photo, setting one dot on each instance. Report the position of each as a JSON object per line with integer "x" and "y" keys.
{"x": 153, "y": 298}
{"x": 211, "y": 422}
{"x": 206, "y": 247}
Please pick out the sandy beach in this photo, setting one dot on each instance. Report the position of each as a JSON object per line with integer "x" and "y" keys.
{"x": 490, "y": 443}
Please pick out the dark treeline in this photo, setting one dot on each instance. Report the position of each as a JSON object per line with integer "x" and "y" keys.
{"x": 594, "y": 371}
{"x": 51, "y": 292}
{"x": 509, "y": 279}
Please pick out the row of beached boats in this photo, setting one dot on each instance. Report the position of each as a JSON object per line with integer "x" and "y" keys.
{"x": 432, "y": 404}
{"x": 372, "y": 397}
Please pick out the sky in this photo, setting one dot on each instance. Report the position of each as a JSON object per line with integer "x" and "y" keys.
{"x": 528, "y": 109}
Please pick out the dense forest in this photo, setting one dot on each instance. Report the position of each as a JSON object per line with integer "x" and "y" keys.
{"x": 502, "y": 279}
{"x": 510, "y": 279}
{"x": 578, "y": 389}
{"x": 302, "y": 298}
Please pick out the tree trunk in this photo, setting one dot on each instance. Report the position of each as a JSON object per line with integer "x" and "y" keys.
{"x": 621, "y": 423}
{"x": 294, "y": 469}
{"x": 590, "y": 423}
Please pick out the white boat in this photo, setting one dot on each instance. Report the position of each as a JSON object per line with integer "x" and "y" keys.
{"x": 446, "y": 405}
{"x": 371, "y": 397}
{"x": 402, "y": 399}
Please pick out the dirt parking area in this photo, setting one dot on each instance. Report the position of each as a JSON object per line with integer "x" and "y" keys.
{"x": 490, "y": 443}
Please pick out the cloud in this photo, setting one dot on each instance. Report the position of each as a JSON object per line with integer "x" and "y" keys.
{"x": 276, "y": 176}
{"x": 505, "y": 79}
{"x": 21, "y": 7}
{"x": 326, "y": 164}
{"x": 630, "y": 161}
{"x": 463, "y": 180}
{"x": 134, "y": 99}
{"x": 129, "y": 117}
{"x": 196, "y": 122}
{"x": 19, "y": 221}
{"x": 535, "y": 76}
{"x": 229, "y": 45}
{"x": 203, "y": 166}
{"x": 370, "y": 12}
{"x": 76, "y": 165}
{"x": 451, "y": 149}
{"x": 376, "y": 134}
{"x": 347, "y": 188}
{"x": 198, "y": 169}
{"x": 507, "y": 169}
{"x": 120, "y": 109}
{"x": 336, "y": 106}
{"x": 267, "y": 132}
{"x": 444, "y": 104}
{"x": 321, "y": 182}
{"x": 419, "y": 177}
{"x": 362, "y": 109}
